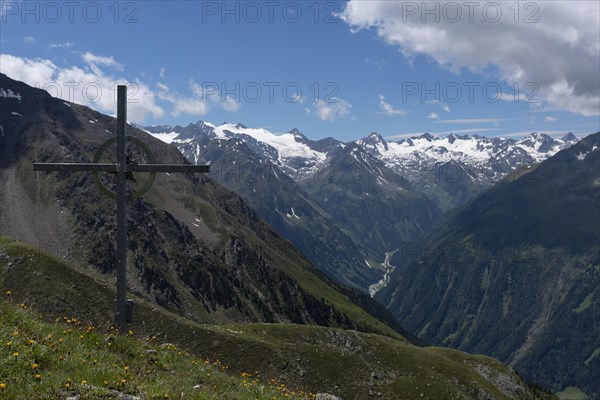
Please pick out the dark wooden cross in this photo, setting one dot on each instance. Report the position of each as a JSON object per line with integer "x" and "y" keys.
{"x": 121, "y": 169}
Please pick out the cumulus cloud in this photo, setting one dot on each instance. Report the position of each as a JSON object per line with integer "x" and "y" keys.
{"x": 94, "y": 85}
{"x": 433, "y": 116}
{"x": 90, "y": 86}
{"x": 199, "y": 103}
{"x": 560, "y": 52}
{"x": 189, "y": 106}
{"x": 95, "y": 60}
{"x": 386, "y": 108}
{"x": 29, "y": 40}
{"x": 194, "y": 105}
{"x": 550, "y": 118}
{"x": 332, "y": 109}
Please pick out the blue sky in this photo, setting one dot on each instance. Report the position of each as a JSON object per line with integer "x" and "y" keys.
{"x": 341, "y": 69}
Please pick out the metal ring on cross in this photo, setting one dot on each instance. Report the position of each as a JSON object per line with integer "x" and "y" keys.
{"x": 142, "y": 145}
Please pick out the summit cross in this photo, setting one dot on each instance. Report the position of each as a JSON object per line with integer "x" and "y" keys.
{"x": 123, "y": 170}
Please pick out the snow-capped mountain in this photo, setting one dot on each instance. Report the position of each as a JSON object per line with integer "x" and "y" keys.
{"x": 489, "y": 158}
{"x": 453, "y": 169}
{"x": 450, "y": 170}
{"x": 292, "y": 152}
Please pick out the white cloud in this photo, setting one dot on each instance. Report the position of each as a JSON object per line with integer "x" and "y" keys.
{"x": 199, "y": 103}
{"x": 560, "y": 53}
{"x": 64, "y": 45}
{"x": 332, "y": 109}
{"x": 189, "y": 106}
{"x": 230, "y": 104}
{"x": 29, "y": 40}
{"x": 29, "y": 71}
{"x": 195, "y": 105}
{"x": 388, "y": 109}
{"x": 495, "y": 121}
{"x": 95, "y": 60}
{"x": 162, "y": 73}
{"x": 307, "y": 110}
{"x": 433, "y": 116}
{"x": 297, "y": 99}
{"x": 9, "y": 7}
{"x": 91, "y": 87}
{"x": 445, "y": 107}
{"x": 550, "y": 119}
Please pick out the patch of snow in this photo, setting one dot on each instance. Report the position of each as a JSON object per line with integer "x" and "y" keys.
{"x": 9, "y": 94}
{"x": 167, "y": 137}
{"x": 66, "y": 104}
{"x": 285, "y": 144}
{"x": 92, "y": 122}
{"x": 581, "y": 156}
{"x": 294, "y": 214}
{"x": 16, "y": 113}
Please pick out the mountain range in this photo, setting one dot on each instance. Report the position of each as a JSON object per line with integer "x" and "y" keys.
{"x": 198, "y": 257}
{"x": 248, "y": 273}
{"x": 351, "y": 236}
{"x": 489, "y": 245}
{"x": 515, "y": 273}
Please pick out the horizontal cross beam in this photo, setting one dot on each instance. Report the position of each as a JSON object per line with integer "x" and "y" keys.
{"x": 167, "y": 168}
{"x": 48, "y": 167}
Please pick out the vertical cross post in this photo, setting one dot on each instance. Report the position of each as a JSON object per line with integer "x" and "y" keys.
{"x": 120, "y": 314}
{"x": 121, "y": 169}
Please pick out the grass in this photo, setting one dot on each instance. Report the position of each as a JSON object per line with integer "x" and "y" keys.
{"x": 572, "y": 393}
{"x": 43, "y": 360}
{"x": 305, "y": 357}
{"x": 585, "y": 304}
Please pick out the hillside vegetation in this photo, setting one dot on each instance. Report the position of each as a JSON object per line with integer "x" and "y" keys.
{"x": 38, "y": 289}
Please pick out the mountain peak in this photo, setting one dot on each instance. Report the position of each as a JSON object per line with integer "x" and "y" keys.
{"x": 569, "y": 137}
{"x": 373, "y": 141}
{"x": 426, "y": 136}
{"x": 239, "y": 125}
{"x": 299, "y": 136}
{"x": 535, "y": 137}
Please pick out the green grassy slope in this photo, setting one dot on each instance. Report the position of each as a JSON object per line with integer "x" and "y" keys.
{"x": 54, "y": 360}
{"x": 351, "y": 364}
